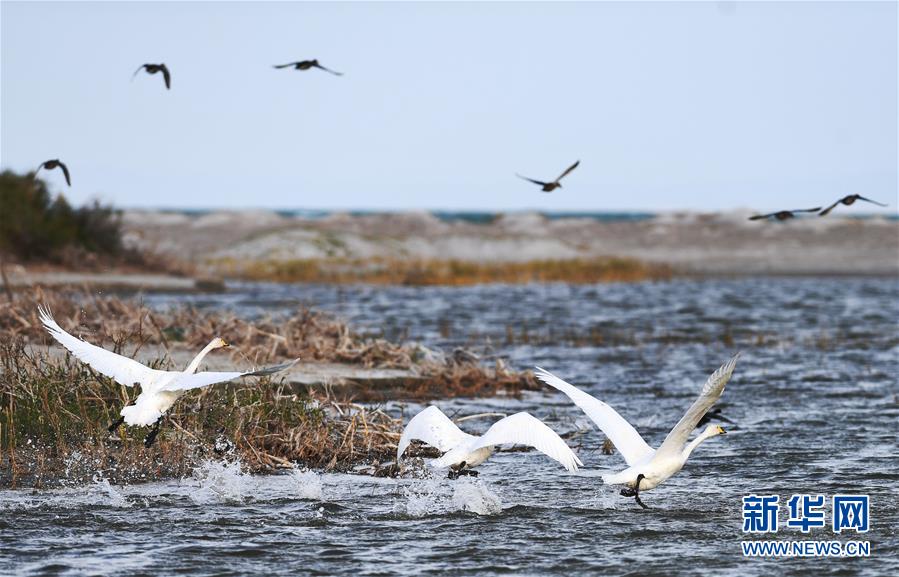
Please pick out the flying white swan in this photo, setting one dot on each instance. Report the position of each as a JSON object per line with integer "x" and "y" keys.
{"x": 462, "y": 451}
{"x": 648, "y": 468}
{"x": 159, "y": 389}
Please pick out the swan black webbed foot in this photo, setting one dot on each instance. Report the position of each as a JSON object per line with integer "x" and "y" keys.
{"x": 635, "y": 492}
{"x": 459, "y": 470}
{"x": 151, "y": 437}
{"x": 116, "y": 424}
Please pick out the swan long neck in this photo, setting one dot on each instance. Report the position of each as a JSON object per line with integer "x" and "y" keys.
{"x": 194, "y": 364}
{"x": 695, "y": 443}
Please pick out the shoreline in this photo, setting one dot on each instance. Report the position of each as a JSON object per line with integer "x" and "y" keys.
{"x": 263, "y": 245}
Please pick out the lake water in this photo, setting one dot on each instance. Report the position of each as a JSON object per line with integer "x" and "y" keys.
{"x": 814, "y": 403}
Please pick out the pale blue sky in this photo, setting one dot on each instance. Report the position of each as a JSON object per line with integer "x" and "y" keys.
{"x": 669, "y": 106}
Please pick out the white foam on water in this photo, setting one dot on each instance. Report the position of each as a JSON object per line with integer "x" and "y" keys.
{"x": 421, "y": 498}
{"x": 306, "y": 484}
{"x": 219, "y": 482}
{"x": 474, "y": 496}
{"x": 106, "y": 494}
{"x": 440, "y": 496}
{"x": 99, "y": 493}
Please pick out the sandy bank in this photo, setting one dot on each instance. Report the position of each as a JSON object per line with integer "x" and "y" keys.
{"x": 692, "y": 243}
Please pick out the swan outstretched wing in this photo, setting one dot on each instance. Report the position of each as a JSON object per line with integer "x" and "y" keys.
{"x": 123, "y": 370}
{"x": 434, "y": 428}
{"x": 525, "y": 429}
{"x": 625, "y": 438}
{"x": 186, "y": 382}
{"x": 711, "y": 392}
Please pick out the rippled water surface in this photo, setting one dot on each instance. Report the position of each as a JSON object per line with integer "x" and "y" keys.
{"x": 813, "y": 400}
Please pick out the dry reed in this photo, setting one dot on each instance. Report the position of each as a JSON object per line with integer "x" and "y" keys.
{"x": 442, "y": 272}
{"x": 54, "y": 410}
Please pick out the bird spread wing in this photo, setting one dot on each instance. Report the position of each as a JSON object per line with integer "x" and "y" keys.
{"x": 167, "y": 76}
{"x": 139, "y": 68}
{"x": 284, "y": 65}
{"x": 186, "y": 381}
{"x": 334, "y": 72}
{"x": 816, "y": 209}
{"x": 827, "y": 210}
{"x": 625, "y": 438}
{"x": 65, "y": 171}
{"x": 761, "y": 216}
{"x": 711, "y": 392}
{"x": 860, "y": 197}
{"x": 567, "y": 170}
{"x": 541, "y": 183}
{"x": 434, "y": 428}
{"x": 525, "y": 429}
{"x": 123, "y": 370}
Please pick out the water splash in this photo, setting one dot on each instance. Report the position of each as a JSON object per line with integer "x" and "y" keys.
{"x": 106, "y": 494}
{"x": 220, "y": 482}
{"x": 474, "y": 496}
{"x": 308, "y": 485}
{"x": 99, "y": 493}
{"x": 438, "y": 496}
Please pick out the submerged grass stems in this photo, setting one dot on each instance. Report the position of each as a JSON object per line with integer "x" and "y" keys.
{"x": 54, "y": 410}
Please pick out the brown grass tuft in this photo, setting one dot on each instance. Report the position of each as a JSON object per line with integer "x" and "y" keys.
{"x": 442, "y": 272}
{"x": 54, "y": 410}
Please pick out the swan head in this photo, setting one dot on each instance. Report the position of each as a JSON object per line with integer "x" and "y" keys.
{"x": 713, "y": 430}
{"x": 218, "y": 343}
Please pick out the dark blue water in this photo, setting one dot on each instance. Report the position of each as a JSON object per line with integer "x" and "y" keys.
{"x": 814, "y": 403}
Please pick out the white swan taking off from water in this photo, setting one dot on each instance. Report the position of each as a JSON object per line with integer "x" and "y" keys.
{"x": 463, "y": 451}
{"x": 159, "y": 389}
{"x": 648, "y": 468}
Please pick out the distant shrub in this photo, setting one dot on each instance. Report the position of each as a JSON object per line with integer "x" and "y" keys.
{"x": 36, "y": 226}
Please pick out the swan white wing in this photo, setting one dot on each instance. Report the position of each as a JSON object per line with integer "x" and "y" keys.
{"x": 525, "y": 429}
{"x": 624, "y": 436}
{"x": 123, "y": 370}
{"x": 711, "y": 392}
{"x": 434, "y": 428}
{"x": 186, "y": 381}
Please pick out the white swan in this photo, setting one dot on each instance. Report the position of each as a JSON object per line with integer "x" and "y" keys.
{"x": 159, "y": 389}
{"x": 463, "y": 451}
{"x": 648, "y": 468}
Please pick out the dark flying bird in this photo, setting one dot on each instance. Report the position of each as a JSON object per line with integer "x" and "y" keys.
{"x": 848, "y": 200}
{"x": 713, "y": 414}
{"x": 551, "y": 186}
{"x": 783, "y": 214}
{"x": 55, "y": 163}
{"x": 153, "y": 69}
{"x": 306, "y": 65}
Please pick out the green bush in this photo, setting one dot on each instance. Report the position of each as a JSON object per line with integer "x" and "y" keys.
{"x": 36, "y": 226}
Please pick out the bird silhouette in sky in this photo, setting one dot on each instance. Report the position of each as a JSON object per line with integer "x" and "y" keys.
{"x": 551, "y": 186}
{"x": 783, "y": 214}
{"x": 55, "y": 163}
{"x": 848, "y": 201}
{"x": 306, "y": 65}
{"x": 153, "y": 69}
